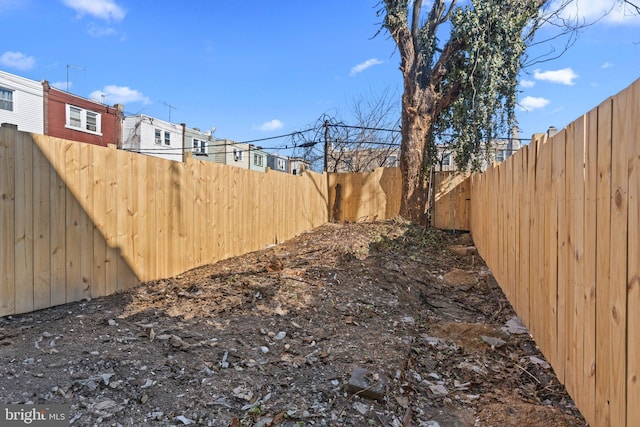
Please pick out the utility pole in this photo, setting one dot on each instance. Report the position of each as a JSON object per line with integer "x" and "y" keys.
{"x": 326, "y": 145}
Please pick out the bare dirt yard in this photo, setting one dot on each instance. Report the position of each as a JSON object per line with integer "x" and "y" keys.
{"x": 378, "y": 324}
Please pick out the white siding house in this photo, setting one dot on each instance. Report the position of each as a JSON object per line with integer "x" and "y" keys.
{"x": 231, "y": 153}
{"x": 21, "y": 103}
{"x": 154, "y": 137}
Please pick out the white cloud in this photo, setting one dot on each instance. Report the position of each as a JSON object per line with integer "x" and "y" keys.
{"x": 61, "y": 85}
{"x": 103, "y": 9}
{"x": 119, "y": 95}
{"x": 96, "y": 31}
{"x": 564, "y": 76}
{"x": 612, "y": 12}
{"x": 17, "y": 60}
{"x": 527, "y": 83}
{"x": 364, "y": 65}
{"x": 271, "y": 125}
{"x": 606, "y": 65}
{"x": 530, "y": 103}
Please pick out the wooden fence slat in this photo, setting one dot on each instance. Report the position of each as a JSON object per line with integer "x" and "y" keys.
{"x": 41, "y": 225}
{"x": 578, "y": 241}
{"x": 521, "y": 300}
{"x": 7, "y": 220}
{"x": 99, "y": 188}
{"x": 111, "y": 220}
{"x": 560, "y": 157}
{"x": 58, "y": 222}
{"x": 618, "y": 260}
{"x": 633, "y": 293}
{"x": 604, "y": 343}
{"x": 73, "y": 218}
{"x": 589, "y": 268}
{"x": 85, "y": 198}
{"x": 24, "y": 280}
{"x": 569, "y": 263}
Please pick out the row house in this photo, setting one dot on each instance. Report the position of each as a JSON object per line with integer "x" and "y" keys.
{"x": 149, "y": 135}
{"x": 72, "y": 117}
{"x": 39, "y": 108}
{"x": 21, "y": 103}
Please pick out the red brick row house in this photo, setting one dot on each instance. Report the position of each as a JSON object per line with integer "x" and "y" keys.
{"x": 75, "y": 118}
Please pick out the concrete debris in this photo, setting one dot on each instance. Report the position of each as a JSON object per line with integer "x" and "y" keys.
{"x": 493, "y": 342}
{"x": 365, "y": 383}
{"x": 515, "y": 327}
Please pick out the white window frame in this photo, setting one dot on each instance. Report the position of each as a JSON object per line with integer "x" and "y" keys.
{"x": 281, "y": 164}
{"x": 6, "y": 99}
{"x": 158, "y": 136}
{"x": 199, "y": 147}
{"x": 237, "y": 155}
{"x": 446, "y": 159}
{"x": 84, "y": 120}
{"x": 167, "y": 138}
{"x": 258, "y": 159}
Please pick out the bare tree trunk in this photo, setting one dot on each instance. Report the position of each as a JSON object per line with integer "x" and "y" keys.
{"x": 416, "y": 121}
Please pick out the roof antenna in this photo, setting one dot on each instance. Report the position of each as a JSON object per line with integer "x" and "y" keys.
{"x": 72, "y": 66}
{"x": 171, "y": 107}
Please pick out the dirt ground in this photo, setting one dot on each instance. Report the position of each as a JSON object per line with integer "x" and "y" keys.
{"x": 378, "y": 324}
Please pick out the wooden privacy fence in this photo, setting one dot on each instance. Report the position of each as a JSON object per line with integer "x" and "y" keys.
{"x": 84, "y": 221}
{"x": 558, "y": 223}
{"x": 365, "y": 196}
{"x": 81, "y": 221}
{"x": 451, "y": 201}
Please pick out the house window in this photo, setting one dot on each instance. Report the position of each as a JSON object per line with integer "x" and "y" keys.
{"x": 446, "y": 160}
{"x": 281, "y": 164}
{"x": 348, "y": 163}
{"x": 92, "y": 121}
{"x": 158, "y": 136}
{"x": 198, "y": 147}
{"x": 83, "y": 120}
{"x": 501, "y": 155}
{"x": 237, "y": 155}
{"x": 167, "y": 138}
{"x": 392, "y": 161}
{"x": 258, "y": 160}
{"x": 6, "y": 99}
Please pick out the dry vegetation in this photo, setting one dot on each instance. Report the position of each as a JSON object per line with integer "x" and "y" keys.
{"x": 273, "y": 338}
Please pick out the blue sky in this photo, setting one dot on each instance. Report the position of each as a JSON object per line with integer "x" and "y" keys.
{"x": 260, "y": 69}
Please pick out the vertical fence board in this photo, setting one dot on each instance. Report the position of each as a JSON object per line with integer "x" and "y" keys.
{"x": 570, "y": 320}
{"x": 73, "y": 237}
{"x": 618, "y": 260}
{"x": 58, "y": 195}
{"x": 578, "y": 240}
{"x": 604, "y": 343}
{"x": 111, "y": 220}
{"x": 99, "y": 282}
{"x": 557, "y": 156}
{"x": 633, "y": 293}
{"x": 41, "y": 226}
{"x": 563, "y": 248}
{"x": 522, "y": 297}
{"x": 23, "y": 223}
{"x": 589, "y": 268}
{"x": 7, "y": 220}
{"x": 547, "y": 281}
{"x": 85, "y": 198}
